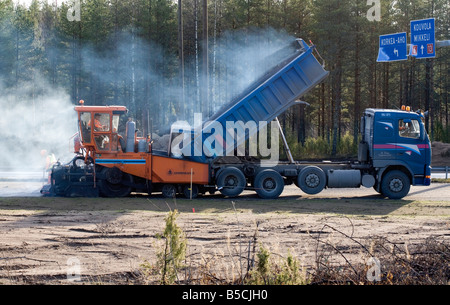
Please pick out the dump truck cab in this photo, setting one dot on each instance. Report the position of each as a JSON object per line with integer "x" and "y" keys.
{"x": 396, "y": 141}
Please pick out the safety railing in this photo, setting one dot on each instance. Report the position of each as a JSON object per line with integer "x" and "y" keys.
{"x": 441, "y": 169}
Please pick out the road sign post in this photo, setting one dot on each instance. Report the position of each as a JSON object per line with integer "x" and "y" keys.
{"x": 393, "y": 47}
{"x": 423, "y": 40}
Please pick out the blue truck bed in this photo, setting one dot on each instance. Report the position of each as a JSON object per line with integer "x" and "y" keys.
{"x": 263, "y": 101}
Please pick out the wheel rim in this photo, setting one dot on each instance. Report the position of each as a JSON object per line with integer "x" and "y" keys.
{"x": 231, "y": 181}
{"x": 396, "y": 185}
{"x": 269, "y": 184}
{"x": 312, "y": 180}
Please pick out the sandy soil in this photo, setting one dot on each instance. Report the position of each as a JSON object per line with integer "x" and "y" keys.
{"x": 440, "y": 154}
{"x": 111, "y": 238}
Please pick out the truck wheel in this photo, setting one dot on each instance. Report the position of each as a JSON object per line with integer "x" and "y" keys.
{"x": 231, "y": 182}
{"x": 312, "y": 180}
{"x": 187, "y": 191}
{"x": 113, "y": 185}
{"x": 269, "y": 184}
{"x": 395, "y": 184}
{"x": 169, "y": 191}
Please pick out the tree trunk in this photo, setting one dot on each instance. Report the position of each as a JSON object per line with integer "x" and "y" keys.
{"x": 205, "y": 65}
{"x": 384, "y": 85}
{"x": 322, "y": 97}
{"x": 181, "y": 103}
{"x": 301, "y": 136}
{"x": 429, "y": 96}
{"x": 357, "y": 101}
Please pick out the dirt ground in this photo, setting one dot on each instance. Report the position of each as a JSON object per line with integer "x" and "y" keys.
{"x": 440, "y": 154}
{"x": 104, "y": 241}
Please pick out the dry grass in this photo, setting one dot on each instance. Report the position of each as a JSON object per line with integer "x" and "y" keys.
{"x": 384, "y": 263}
{"x": 374, "y": 261}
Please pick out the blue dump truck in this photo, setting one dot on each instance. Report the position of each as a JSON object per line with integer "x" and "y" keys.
{"x": 394, "y": 152}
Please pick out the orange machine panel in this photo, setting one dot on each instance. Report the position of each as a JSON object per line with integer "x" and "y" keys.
{"x": 171, "y": 170}
{"x": 137, "y": 164}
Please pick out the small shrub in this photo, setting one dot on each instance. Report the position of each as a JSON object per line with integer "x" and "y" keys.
{"x": 319, "y": 148}
{"x": 346, "y": 147}
{"x": 171, "y": 255}
{"x": 269, "y": 271}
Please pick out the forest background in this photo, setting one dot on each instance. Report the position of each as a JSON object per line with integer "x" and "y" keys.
{"x": 166, "y": 60}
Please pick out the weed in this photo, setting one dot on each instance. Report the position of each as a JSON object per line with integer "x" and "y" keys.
{"x": 271, "y": 271}
{"x": 171, "y": 255}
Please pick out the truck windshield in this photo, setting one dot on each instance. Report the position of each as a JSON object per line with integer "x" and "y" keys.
{"x": 101, "y": 122}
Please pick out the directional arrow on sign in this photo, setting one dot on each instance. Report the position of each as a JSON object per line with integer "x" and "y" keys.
{"x": 392, "y": 47}
{"x": 423, "y": 38}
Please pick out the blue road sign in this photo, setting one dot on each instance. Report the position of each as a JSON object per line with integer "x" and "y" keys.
{"x": 423, "y": 40}
{"x": 392, "y": 47}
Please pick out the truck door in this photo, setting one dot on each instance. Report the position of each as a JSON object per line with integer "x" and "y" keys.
{"x": 410, "y": 146}
{"x": 384, "y": 139}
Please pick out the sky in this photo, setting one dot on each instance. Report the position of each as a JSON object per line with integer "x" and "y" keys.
{"x": 28, "y": 2}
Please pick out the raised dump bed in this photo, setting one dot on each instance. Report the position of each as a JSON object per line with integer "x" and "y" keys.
{"x": 263, "y": 101}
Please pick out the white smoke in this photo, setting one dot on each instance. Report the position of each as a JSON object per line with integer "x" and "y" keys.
{"x": 35, "y": 116}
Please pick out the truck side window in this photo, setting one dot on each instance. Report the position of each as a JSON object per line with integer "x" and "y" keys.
{"x": 115, "y": 136}
{"x": 115, "y": 123}
{"x": 409, "y": 129}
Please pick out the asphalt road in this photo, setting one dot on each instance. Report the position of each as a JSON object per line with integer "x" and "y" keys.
{"x": 434, "y": 192}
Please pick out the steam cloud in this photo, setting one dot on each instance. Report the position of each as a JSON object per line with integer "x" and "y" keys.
{"x": 35, "y": 117}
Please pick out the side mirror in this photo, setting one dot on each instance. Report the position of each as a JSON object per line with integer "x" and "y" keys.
{"x": 362, "y": 127}
{"x": 423, "y": 133}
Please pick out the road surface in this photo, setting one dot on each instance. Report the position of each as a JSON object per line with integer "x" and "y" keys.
{"x": 28, "y": 184}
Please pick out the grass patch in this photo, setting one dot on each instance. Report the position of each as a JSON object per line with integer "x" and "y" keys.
{"x": 440, "y": 180}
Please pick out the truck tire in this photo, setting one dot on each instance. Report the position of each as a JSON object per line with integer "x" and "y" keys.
{"x": 269, "y": 184}
{"x": 169, "y": 191}
{"x": 312, "y": 180}
{"x": 187, "y": 191}
{"x": 231, "y": 182}
{"x": 116, "y": 183}
{"x": 395, "y": 184}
